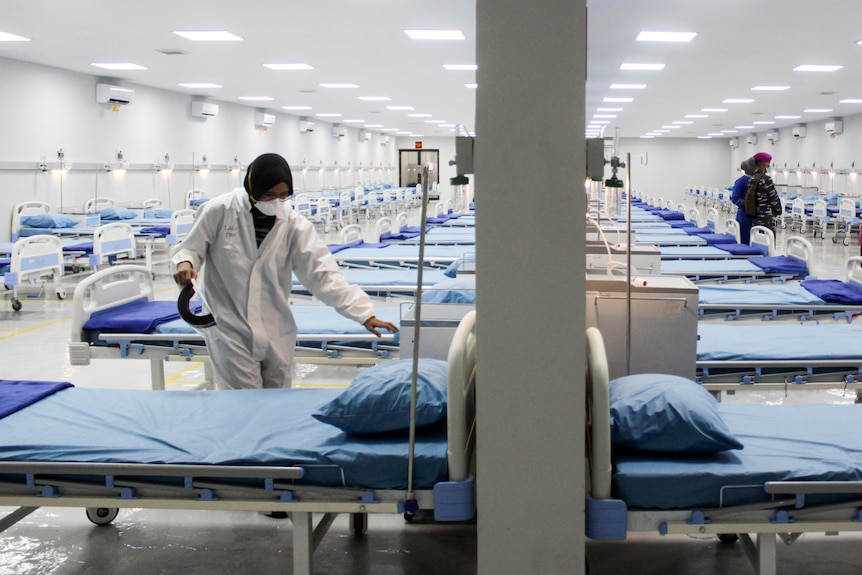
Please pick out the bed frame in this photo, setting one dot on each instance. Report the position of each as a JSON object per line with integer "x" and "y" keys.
{"x": 54, "y": 485}
{"x": 23, "y": 209}
{"x": 33, "y": 260}
{"x": 758, "y": 526}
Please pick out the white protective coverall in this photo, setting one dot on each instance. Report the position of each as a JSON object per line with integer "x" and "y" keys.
{"x": 247, "y": 288}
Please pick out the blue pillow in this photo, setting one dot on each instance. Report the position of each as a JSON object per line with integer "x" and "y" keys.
{"x": 49, "y": 221}
{"x": 163, "y": 213}
{"x": 667, "y": 413}
{"x": 378, "y": 399}
{"x": 116, "y": 214}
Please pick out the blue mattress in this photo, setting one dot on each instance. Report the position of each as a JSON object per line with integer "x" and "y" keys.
{"x": 834, "y": 291}
{"x": 713, "y": 239}
{"x": 796, "y": 342}
{"x": 402, "y": 252}
{"x": 137, "y": 426}
{"x": 741, "y": 249}
{"x": 733, "y": 267}
{"x": 781, "y": 265}
{"x": 694, "y": 252}
{"x": 781, "y": 442}
{"x": 670, "y": 240}
{"x": 758, "y": 294}
{"x": 383, "y": 278}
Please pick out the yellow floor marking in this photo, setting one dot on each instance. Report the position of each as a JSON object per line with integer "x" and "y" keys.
{"x": 175, "y": 379}
{"x": 34, "y": 328}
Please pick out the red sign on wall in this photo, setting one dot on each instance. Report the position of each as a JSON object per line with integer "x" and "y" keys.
{"x": 418, "y": 145}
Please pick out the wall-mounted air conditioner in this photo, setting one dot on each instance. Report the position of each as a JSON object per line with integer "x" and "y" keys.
{"x": 384, "y": 140}
{"x": 834, "y": 127}
{"x": 305, "y": 126}
{"x": 734, "y": 143}
{"x": 108, "y": 94}
{"x": 364, "y": 135}
{"x": 264, "y": 120}
{"x": 773, "y": 136}
{"x": 338, "y": 132}
{"x": 204, "y": 109}
{"x": 799, "y": 132}
{"x": 751, "y": 139}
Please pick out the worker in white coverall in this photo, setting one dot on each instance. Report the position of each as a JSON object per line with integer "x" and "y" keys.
{"x": 247, "y": 243}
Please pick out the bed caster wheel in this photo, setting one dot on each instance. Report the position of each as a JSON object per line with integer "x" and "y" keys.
{"x": 358, "y": 524}
{"x": 102, "y": 515}
{"x": 408, "y": 516}
{"x": 76, "y": 268}
{"x": 61, "y": 293}
{"x": 728, "y": 538}
{"x": 16, "y": 304}
{"x": 834, "y": 240}
{"x": 846, "y": 241}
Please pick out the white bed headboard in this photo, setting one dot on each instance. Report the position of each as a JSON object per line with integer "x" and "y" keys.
{"x": 384, "y": 226}
{"x": 461, "y": 398}
{"x": 763, "y": 238}
{"x": 731, "y": 226}
{"x": 801, "y": 249}
{"x": 351, "y": 233}
{"x": 598, "y": 416}
{"x": 153, "y": 203}
{"x": 853, "y": 272}
{"x": 23, "y": 209}
{"x": 193, "y": 194}
{"x": 97, "y": 204}
{"x": 106, "y": 289}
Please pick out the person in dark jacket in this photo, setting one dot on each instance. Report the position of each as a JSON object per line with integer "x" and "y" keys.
{"x": 768, "y": 203}
{"x": 740, "y": 189}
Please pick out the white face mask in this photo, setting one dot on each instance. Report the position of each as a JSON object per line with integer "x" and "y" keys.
{"x": 269, "y": 208}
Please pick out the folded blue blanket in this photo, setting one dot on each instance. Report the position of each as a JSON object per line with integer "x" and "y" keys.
{"x": 18, "y": 394}
{"x": 135, "y": 317}
{"x": 780, "y": 265}
{"x": 834, "y": 291}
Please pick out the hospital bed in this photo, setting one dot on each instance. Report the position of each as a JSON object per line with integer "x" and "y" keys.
{"x": 152, "y": 454}
{"x": 797, "y": 262}
{"x": 194, "y": 198}
{"x": 116, "y": 316}
{"x": 788, "y": 479}
{"x": 31, "y": 261}
{"x": 360, "y": 254}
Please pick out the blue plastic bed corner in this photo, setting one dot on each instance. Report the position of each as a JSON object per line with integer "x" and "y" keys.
{"x": 606, "y": 519}
{"x": 455, "y": 500}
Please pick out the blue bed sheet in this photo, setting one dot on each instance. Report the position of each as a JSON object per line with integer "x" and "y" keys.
{"x": 240, "y": 427}
{"x": 797, "y": 342}
{"x": 758, "y": 294}
{"x": 781, "y": 442}
{"x": 693, "y": 268}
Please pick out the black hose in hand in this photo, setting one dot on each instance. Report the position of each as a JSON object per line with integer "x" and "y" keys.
{"x": 186, "y": 313}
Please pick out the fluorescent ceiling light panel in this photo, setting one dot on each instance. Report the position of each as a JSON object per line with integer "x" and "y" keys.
{"x": 601, "y": 122}
{"x": 817, "y": 68}
{"x": 764, "y": 122}
{"x": 707, "y": 137}
{"x": 729, "y": 131}
{"x": 375, "y": 98}
{"x": 715, "y": 134}
{"x": 465, "y": 67}
{"x": 471, "y": 85}
{"x": 448, "y": 125}
{"x": 681, "y": 122}
{"x": 697, "y": 115}
{"x": 352, "y": 121}
{"x": 666, "y": 36}
{"x": 618, "y": 100}
{"x": 609, "y": 109}
{"x": 400, "y": 108}
{"x": 744, "y": 127}
{"x": 418, "y": 115}
{"x": 373, "y": 125}
{"x": 296, "y": 107}
{"x": 435, "y": 121}
{"x": 737, "y": 101}
{"x": 7, "y": 37}
{"x": 402, "y": 134}
{"x": 633, "y": 66}
{"x": 256, "y": 98}
{"x": 770, "y": 88}
{"x": 208, "y": 35}
{"x": 604, "y": 115}
{"x": 200, "y": 85}
{"x": 339, "y": 85}
{"x": 713, "y": 109}
{"x": 435, "y": 34}
{"x": 288, "y": 66}
{"x": 118, "y": 66}
{"x": 628, "y": 86}
{"x": 671, "y": 127}
{"x": 390, "y": 129}
{"x": 851, "y": 101}
{"x": 787, "y": 117}
{"x": 328, "y": 115}
{"x": 817, "y": 110}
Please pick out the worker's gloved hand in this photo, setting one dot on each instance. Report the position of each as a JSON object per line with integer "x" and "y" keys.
{"x": 372, "y": 324}
{"x": 185, "y": 273}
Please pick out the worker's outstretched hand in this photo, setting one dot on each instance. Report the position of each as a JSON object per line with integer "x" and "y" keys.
{"x": 372, "y": 324}
{"x": 185, "y": 273}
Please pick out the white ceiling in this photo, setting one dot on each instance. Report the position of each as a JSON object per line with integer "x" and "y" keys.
{"x": 739, "y": 44}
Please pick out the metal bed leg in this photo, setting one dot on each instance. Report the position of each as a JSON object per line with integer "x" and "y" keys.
{"x": 157, "y": 374}
{"x": 15, "y": 516}
{"x": 763, "y": 554}
{"x": 303, "y": 546}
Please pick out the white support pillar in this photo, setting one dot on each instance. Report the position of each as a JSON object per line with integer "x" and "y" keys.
{"x": 530, "y": 170}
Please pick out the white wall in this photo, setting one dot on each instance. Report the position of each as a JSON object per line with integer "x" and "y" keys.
{"x": 43, "y": 109}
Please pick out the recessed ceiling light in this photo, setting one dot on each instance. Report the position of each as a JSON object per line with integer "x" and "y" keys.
{"x": 328, "y": 115}
{"x": 200, "y": 85}
{"x": 448, "y": 125}
{"x": 764, "y": 122}
{"x": 352, "y": 121}
{"x": 682, "y": 122}
{"x": 609, "y": 109}
{"x": 471, "y": 85}
{"x": 770, "y": 88}
{"x": 337, "y": 85}
{"x": 618, "y": 100}
{"x": 628, "y": 86}
{"x": 737, "y": 101}
{"x": 288, "y": 66}
{"x": 435, "y": 34}
{"x": 661, "y": 131}
{"x": 671, "y": 127}
{"x": 715, "y": 134}
{"x": 296, "y": 107}
{"x": 707, "y": 137}
{"x": 400, "y": 108}
{"x": 744, "y": 127}
{"x": 666, "y": 36}
{"x": 729, "y": 131}
{"x": 817, "y": 68}
{"x": 435, "y": 121}
{"x": 375, "y": 98}
{"x": 208, "y": 35}
{"x": 787, "y": 117}
{"x": 7, "y": 37}
{"x": 697, "y": 115}
{"x": 851, "y": 101}
{"x": 418, "y": 115}
{"x": 633, "y": 66}
{"x": 373, "y": 125}
{"x": 604, "y": 115}
{"x": 817, "y": 110}
{"x": 713, "y": 109}
{"x": 390, "y": 129}
{"x": 118, "y": 66}
{"x": 601, "y": 122}
{"x": 461, "y": 66}
{"x": 256, "y": 98}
